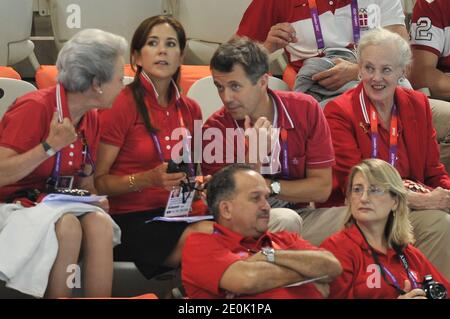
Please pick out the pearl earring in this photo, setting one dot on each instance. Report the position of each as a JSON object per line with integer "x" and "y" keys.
{"x": 100, "y": 91}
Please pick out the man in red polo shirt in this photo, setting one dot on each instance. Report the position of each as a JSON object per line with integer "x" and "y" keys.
{"x": 241, "y": 259}
{"x": 303, "y": 149}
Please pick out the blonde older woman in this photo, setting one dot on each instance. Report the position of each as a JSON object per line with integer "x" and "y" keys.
{"x": 380, "y": 119}
{"x": 375, "y": 249}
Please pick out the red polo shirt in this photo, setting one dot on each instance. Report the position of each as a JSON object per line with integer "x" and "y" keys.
{"x": 27, "y": 123}
{"x": 308, "y": 134}
{"x": 122, "y": 126}
{"x": 357, "y": 279}
{"x": 206, "y": 257}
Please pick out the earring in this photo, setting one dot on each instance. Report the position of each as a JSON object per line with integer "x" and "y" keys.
{"x": 359, "y": 77}
{"x": 100, "y": 91}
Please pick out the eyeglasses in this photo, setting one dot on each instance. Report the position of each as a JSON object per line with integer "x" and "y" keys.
{"x": 373, "y": 190}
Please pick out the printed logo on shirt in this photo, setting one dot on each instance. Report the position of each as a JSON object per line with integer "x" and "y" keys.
{"x": 369, "y": 17}
{"x": 363, "y": 19}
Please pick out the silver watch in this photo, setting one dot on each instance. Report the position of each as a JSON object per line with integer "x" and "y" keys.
{"x": 269, "y": 252}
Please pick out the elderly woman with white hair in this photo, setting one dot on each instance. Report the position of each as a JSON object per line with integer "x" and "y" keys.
{"x": 380, "y": 119}
{"x": 48, "y": 141}
{"x": 375, "y": 249}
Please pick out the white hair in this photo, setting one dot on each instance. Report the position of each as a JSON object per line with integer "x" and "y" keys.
{"x": 380, "y": 36}
{"x": 90, "y": 55}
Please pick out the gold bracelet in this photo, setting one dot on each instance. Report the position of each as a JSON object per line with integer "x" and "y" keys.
{"x": 132, "y": 183}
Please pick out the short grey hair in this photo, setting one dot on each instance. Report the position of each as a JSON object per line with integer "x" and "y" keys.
{"x": 381, "y": 36}
{"x": 90, "y": 55}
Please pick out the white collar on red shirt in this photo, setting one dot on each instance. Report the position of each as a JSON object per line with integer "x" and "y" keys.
{"x": 149, "y": 81}
{"x": 279, "y": 103}
{"x": 362, "y": 103}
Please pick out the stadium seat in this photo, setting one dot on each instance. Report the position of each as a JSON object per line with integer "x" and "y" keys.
{"x": 205, "y": 93}
{"x": 116, "y": 16}
{"x": 206, "y": 31}
{"x": 15, "y": 44}
{"x": 10, "y": 90}
{"x": 8, "y": 72}
{"x": 46, "y": 75}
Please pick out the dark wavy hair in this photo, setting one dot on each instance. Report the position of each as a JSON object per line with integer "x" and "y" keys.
{"x": 137, "y": 43}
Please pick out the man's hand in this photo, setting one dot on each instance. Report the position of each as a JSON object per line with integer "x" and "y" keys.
{"x": 279, "y": 36}
{"x": 439, "y": 198}
{"x": 339, "y": 75}
{"x": 260, "y": 133}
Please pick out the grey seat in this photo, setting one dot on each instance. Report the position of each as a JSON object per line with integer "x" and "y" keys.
{"x": 10, "y": 90}
{"x": 208, "y": 24}
{"x": 16, "y": 17}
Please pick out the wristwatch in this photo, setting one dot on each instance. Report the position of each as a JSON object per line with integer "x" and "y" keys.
{"x": 275, "y": 188}
{"x": 269, "y": 252}
{"x": 48, "y": 149}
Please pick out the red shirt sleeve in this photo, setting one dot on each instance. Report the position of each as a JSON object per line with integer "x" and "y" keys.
{"x": 25, "y": 125}
{"x": 259, "y": 18}
{"x": 204, "y": 260}
{"x": 290, "y": 240}
{"x": 319, "y": 145}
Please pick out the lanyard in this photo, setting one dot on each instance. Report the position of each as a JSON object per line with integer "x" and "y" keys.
{"x": 318, "y": 30}
{"x": 87, "y": 158}
{"x": 393, "y": 134}
{"x": 284, "y": 154}
{"x": 186, "y": 135}
{"x": 384, "y": 271}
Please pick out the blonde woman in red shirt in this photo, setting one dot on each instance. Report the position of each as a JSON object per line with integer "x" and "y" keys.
{"x": 375, "y": 248}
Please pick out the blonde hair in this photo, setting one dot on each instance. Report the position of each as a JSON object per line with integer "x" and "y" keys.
{"x": 398, "y": 230}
